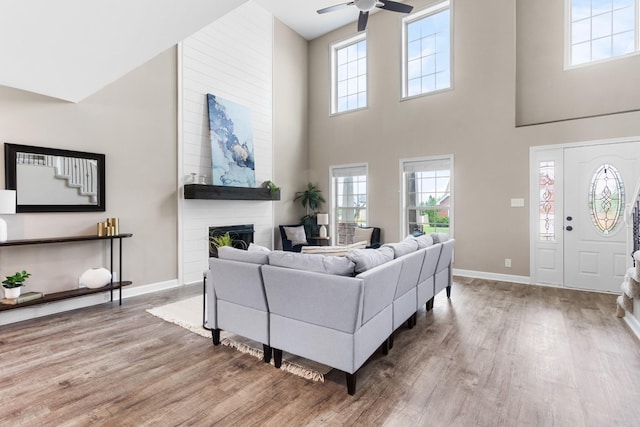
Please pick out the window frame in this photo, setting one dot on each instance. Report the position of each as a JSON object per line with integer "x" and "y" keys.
{"x": 404, "y": 66}
{"x": 333, "y": 72}
{"x": 568, "y": 13}
{"x": 333, "y": 217}
{"x": 404, "y": 223}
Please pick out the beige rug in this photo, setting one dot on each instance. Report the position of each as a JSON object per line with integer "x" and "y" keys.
{"x": 187, "y": 313}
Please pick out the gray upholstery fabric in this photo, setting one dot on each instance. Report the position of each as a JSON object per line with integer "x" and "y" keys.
{"x": 379, "y": 287}
{"x": 405, "y": 247}
{"x": 424, "y": 241}
{"x": 426, "y": 280}
{"x": 443, "y": 269}
{"x": 255, "y": 257}
{"x": 321, "y": 299}
{"x": 404, "y": 302}
{"x": 318, "y": 263}
{"x": 439, "y": 237}
{"x": 236, "y": 300}
{"x": 366, "y": 259}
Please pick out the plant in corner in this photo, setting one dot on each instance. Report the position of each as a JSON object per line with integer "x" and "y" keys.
{"x": 221, "y": 240}
{"x": 311, "y": 199}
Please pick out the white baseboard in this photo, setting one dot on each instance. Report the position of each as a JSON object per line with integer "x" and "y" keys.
{"x": 35, "y": 311}
{"x": 633, "y": 324}
{"x": 492, "y": 276}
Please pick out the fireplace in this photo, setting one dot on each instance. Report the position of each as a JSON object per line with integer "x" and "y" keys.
{"x": 241, "y": 236}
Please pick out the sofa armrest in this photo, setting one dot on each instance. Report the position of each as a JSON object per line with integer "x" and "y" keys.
{"x": 379, "y": 284}
{"x": 316, "y": 298}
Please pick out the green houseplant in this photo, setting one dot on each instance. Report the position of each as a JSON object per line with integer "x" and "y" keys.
{"x": 221, "y": 240}
{"x": 13, "y": 284}
{"x": 311, "y": 200}
{"x": 271, "y": 186}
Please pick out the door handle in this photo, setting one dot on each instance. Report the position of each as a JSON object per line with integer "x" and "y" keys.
{"x": 569, "y": 228}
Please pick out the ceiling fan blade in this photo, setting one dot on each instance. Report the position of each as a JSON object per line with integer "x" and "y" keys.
{"x": 362, "y": 20}
{"x": 395, "y": 6}
{"x": 335, "y": 7}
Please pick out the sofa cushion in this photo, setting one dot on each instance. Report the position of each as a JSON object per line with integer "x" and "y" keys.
{"x": 258, "y": 248}
{"x": 312, "y": 262}
{"x": 407, "y": 246}
{"x": 440, "y": 237}
{"x": 234, "y": 254}
{"x": 424, "y": 241}
{"x": 296, "y": 235}
{"x": 366, "y": 259}
{"x": 360, "y": 234}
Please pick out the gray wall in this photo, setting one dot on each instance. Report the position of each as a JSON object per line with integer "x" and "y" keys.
{"x": 290, "y": 129}
{"x": 475, "y": 122}
{"x": 546, "y": 91}
{"x": 133, "y": 122}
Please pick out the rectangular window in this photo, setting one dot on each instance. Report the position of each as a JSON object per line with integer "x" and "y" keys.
{"x": 546, "y": 200}
{"x": 348, "y": 200}
{"x": 428, "y": 194}
{"x": 426, "y": 50}
{"x": 349, "y": 74}
{"x": 601, "y": 29}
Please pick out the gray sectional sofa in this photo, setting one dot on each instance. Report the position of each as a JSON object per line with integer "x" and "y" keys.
{"x": 334, "y": 310}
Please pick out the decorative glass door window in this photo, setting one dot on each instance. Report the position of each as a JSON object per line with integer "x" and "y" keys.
{"x": 606, "y": 198}
{"x": 349, "y": 201}
{"x": 547, "y": 200}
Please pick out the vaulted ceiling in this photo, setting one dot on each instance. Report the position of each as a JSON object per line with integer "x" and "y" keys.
{"x": 70, "y": 49}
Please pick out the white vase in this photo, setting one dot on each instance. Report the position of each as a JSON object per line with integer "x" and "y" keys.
{"x": 95, "y": 278}
{"x": 12, "y": 292}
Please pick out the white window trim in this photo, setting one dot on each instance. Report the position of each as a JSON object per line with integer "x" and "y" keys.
{"x": 403, "y": 190}
{"x": 403, "y": 48}
{"x": 333, "y": 47}
{"x": 567, "y": 41}
{"x": 332, "y": 207}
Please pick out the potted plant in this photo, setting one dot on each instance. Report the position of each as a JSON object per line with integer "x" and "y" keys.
{"x": 13, "y": 284}
{"x": 221, "y": 240}
{"x": 311, "y": 199}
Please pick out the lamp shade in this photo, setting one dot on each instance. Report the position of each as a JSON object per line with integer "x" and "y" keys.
{"x": 7, "y": 202}
{"x": 323, "y": 219}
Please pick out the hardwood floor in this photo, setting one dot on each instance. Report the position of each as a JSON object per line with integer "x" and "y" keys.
{"x": 496, "y": 354}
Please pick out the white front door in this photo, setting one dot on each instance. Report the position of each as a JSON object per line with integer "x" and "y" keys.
{"x": 578, "y": 232}
{"x": 598, "y": 179}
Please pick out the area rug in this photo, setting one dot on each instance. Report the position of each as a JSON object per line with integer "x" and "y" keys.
{"x": 187, "y": 313}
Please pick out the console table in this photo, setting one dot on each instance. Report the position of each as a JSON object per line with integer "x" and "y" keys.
{"x": 57, "y": 296}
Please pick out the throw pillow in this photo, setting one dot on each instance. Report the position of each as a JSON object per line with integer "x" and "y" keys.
{"x": 366, "y": 259}
{"x": 312, "y": 262}
{"x": 234, "y": 254}
{"x": 296, "y": 235}
{"x": 360, "y": 234}
{"x": 424, "y": 241}
{"x": 439, "y": 237}
{"x": 257, "y": 248}
{"x": 402, "y": 248}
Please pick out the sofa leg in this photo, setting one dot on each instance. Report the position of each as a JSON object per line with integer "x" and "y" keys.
{"x": 215, "y": 335}
{"x": 415, "y": 318}
{"x": 390, "y": 339}
{"x": 277, "y": 358}
{"x": 449, "y": 291}
{"x": 386, "y": 346}
{"x": 430, "y": 304}
{"x": 351, "y": 383}
{"x": 267, "y": 353}
{"x": 410, "y": 322}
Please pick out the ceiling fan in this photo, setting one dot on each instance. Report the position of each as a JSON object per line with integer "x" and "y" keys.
{"x": 366, "y": 6}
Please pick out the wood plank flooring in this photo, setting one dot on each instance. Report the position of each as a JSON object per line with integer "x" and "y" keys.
{"x": 496, "y": 354}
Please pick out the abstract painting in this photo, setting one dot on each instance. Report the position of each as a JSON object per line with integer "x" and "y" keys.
{"x": 231, "y": 136}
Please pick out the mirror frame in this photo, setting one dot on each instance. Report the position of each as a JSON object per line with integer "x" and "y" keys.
{"x": 10, "y": 166}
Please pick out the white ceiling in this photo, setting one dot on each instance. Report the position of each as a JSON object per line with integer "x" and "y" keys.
{"x": 70, "y": 49}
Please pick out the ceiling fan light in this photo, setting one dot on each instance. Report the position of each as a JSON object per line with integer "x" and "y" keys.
{"x": 366, "y": 5}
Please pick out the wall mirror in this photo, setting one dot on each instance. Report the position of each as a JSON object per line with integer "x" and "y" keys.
{"x": 52, "y": 180}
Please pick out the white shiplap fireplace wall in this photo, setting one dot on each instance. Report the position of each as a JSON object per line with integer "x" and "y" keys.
{"x": 231, "y": 58}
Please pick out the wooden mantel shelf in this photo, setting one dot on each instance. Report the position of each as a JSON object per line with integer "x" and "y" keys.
{"x": 219, "y": 192}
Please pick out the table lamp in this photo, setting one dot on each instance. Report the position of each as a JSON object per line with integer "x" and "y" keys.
{"x": 7, "y": 206}
{"x": 323, "y": 219}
